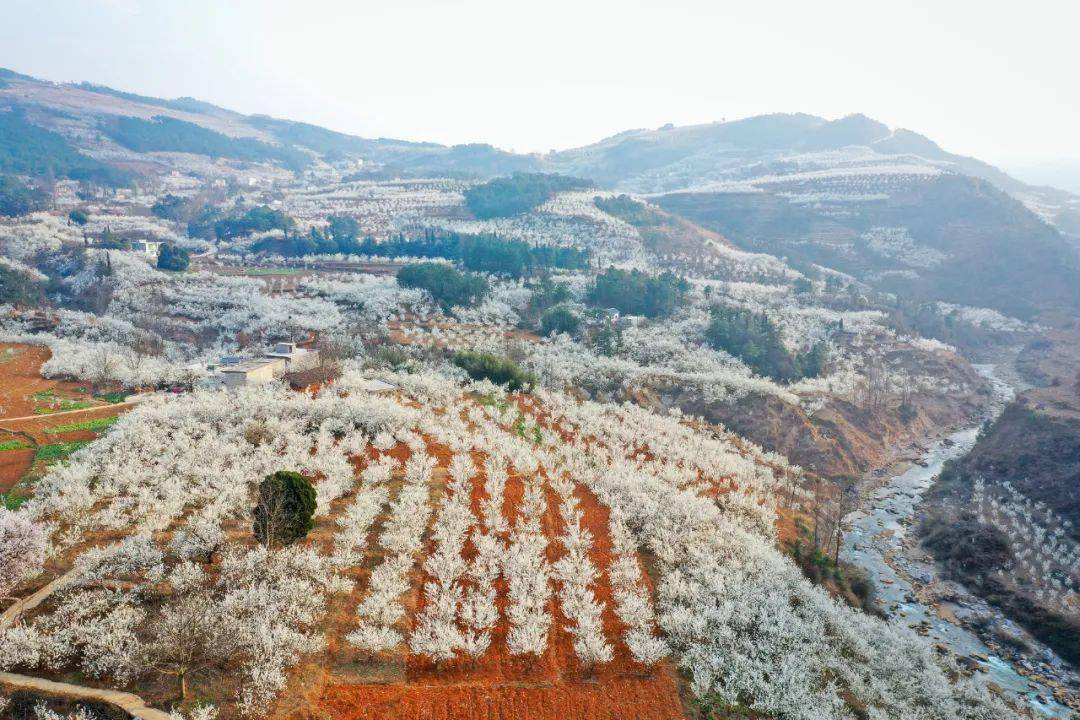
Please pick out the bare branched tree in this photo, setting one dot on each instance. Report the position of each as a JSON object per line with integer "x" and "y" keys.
{"x": 189, "y": 636}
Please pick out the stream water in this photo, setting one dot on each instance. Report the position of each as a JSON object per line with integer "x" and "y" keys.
{"x": 880, "y": 529}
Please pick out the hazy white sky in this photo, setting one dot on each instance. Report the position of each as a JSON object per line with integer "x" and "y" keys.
{"x": 998, "y": 80}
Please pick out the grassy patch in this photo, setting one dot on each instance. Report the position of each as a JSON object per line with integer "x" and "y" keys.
{"x": 95, "y": 424}
{"x": 57, "y": 403}
{"x": 849, "y": 582}
{"x": 58, "y": 451}
{"x": 64, "y": 405}
{"x": 258, "y": 272}
{"x": 9, "y": 354}
{"x": 12, "y": 445}
{"x": 12, "y": 502}
{"x": 524, "y": 431}
{"x": 112, "y": 397}
{"x": 491, "y": 400}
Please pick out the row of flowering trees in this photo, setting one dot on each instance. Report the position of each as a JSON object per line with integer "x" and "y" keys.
{"x": 402, "y": 539}
{"x": 577, "y": 575}
{"x": 1045, "y": 559}
{"x": 738, "y": 616}
{"x": 437, "y": 633}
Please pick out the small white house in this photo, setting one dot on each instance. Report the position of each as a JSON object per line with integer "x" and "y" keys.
{"x": 252, "y": 372}
{"x": 237, "y": 371}
{"x": 147, "y": 247}
{"x": 295, "y": 358}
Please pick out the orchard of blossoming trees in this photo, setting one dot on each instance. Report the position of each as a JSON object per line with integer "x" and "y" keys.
{"x": 22, "y": 550}
{"x": 492, "y": 541}
{"x": 469, "y": 547}
{"x": 1045, "y": 559}
{"x": 122, "y": 321}
{"x": 584, "y": 542}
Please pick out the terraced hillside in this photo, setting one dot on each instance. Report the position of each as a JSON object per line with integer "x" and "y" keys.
{"x": 472, "y": 552}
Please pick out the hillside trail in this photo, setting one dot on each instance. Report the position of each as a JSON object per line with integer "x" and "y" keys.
{"x": 134, "y": 400}
{"x": 9, "y": 616}
{"x": 131, "y": 704}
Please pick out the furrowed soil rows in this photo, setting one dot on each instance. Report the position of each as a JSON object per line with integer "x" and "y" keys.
{"x": 22, "y": 392}
{"x": 650, "y": 699}
{"x": 498, "y": 684}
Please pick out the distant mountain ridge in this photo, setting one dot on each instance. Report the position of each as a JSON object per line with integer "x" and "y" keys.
{"x": 77, "y": 112}
{"x": 889, "y": 206}
{"x": 625, "y": 160}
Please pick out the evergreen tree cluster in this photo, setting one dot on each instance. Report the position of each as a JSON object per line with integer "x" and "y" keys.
{"x": 108, "y": 240}
{"x": 482, "y": 253}
{"x": 171, "y": 257}
{"x": 634, "y": 292}
{"x": 501, "y": 371}
{"x": 168, "y": 207}
{"x": 627, "y": 209}
{"x": 517, "y": 194}
{"x": 286, "y": 509}
{"x": 447, "y": 285}
{"x": 559, "y": 320}
{"x": 19, "y": 198}
{"x": 19, "y": 289}
{"x": 26, "y": 149}
{"x": 258, "y": 219}
{"x": 754, "y": 339}
{"x": 167, "y": 134}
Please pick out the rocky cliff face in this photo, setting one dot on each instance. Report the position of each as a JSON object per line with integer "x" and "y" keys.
{"x": 846, "y": 437}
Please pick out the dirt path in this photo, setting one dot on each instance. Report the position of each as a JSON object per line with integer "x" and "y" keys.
{"x": 132, "y": 704}
{"x": 20, "y": 379}
{"x": 9, "y": 616}
{"x": 135, "y": 399}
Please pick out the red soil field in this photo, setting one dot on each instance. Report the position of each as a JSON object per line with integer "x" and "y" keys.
{"x": 499, "y": 685}
{"x": 13, "y": 465}
{"x": 348, "y": 685}
{"x": 20, "y": 378}
{"x": 615, "y": 699}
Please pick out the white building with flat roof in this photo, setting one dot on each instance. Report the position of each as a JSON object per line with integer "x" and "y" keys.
{"x": 251, "y": 372}
{"x": 285, "y": 357}
{"x": 147, "y": 247}
{"x": 295, "y": 358}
